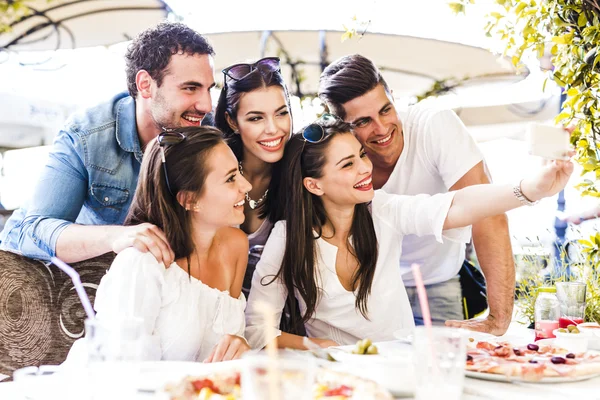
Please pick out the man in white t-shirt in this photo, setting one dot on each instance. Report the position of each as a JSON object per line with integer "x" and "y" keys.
{"x": 425, "y": 150}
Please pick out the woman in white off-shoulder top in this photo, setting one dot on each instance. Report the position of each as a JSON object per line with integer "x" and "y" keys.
{"x": 338, "y": 248}
{"x": 191, "y": 188}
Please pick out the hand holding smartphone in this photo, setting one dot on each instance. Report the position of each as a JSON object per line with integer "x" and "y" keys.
{"x": 548, "y": 141}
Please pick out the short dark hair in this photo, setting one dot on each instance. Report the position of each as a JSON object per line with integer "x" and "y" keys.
{"x": 152, "y": 49}
{"x": 347, "y": 78}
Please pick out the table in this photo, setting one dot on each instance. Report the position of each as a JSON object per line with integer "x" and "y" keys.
{"x": 157, "y": 373}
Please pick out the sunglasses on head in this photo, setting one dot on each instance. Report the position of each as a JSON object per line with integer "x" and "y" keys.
{"x": 238, "y": 72}
{"x": 314, "y": 133}
{"x": 165, "y": 139}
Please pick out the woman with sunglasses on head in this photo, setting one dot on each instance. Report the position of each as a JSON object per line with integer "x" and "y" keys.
{"x": 193, "y": 310}
{"x": 337, "y": 249}
{"x": 253, "y": 112}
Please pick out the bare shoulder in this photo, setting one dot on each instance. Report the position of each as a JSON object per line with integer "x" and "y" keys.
{"x": 232, "y": 242}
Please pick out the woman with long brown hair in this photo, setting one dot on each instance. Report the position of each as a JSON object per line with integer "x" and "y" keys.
{"x": 253, "y": 112}
{"x": 191, "y": 189}
{"x": 338, "y": 248}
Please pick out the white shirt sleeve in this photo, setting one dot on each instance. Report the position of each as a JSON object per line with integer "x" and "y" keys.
{"x": 418, "y": 215}
{"x": 450, "y": 146}
{"x": 265, "y": 289}
{"x": 133, "y": 288}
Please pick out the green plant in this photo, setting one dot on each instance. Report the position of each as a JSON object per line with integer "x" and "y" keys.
{"x": 10, "y": 11}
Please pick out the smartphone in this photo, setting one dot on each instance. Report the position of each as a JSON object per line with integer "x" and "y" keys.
{"x": 548, "y": 141}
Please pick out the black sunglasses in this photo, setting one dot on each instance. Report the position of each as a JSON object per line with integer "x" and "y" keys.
{"x": 237, "y": 72}
{"x": 314, "y": 133}
{"x": 168, "y": 138}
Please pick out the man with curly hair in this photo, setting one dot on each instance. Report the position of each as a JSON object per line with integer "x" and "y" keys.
{"x": 87, "y": 185}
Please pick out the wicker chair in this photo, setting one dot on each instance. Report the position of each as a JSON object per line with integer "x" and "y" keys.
{"x": 40, "y": 313}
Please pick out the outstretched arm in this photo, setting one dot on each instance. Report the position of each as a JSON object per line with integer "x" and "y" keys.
{"x": 494, "y": 253}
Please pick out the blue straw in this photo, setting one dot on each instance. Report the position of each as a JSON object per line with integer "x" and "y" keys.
{"x": 85, "y": 301}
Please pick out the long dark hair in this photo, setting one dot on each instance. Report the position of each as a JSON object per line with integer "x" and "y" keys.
{"x": 187, "y": 169}
{"x": 305, "y": 214}
{"x": 229, "y": 102}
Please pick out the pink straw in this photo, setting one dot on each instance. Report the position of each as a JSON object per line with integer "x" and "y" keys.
{"x": 85, "y": 301}
{"x": 422, "y": 293}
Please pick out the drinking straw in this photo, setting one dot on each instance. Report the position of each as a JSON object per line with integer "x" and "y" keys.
{"x": 272, "y": 353}
{"x": 422, "y": 293}
{"x": 85, "y": 301}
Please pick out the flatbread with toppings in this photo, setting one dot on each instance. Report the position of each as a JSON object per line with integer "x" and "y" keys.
{"x": 532, "y": 362}
{"x": 226, "y": 386}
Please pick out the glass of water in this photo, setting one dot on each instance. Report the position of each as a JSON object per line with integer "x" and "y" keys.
{"x": 439, "y": 358}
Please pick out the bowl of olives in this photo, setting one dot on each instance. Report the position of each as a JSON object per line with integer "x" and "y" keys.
{"x": 572, "y": 338}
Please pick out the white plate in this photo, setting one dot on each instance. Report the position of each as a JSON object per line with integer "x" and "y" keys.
{"x": 548, "y": 379}
{"x": 392, "y": 368}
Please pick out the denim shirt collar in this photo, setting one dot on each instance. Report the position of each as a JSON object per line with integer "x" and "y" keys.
{"x": 126, "y": 129}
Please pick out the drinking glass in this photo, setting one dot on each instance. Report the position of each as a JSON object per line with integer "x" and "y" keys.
{"x": 571, "y": 297}
{"x": 439, "y": 358}
{"x": 114, "y": 349}
{"x": 37, "y": 383}
{"x": 290, "y": 376}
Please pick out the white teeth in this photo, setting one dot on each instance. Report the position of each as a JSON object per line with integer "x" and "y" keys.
{"x": 272, "y": 143}
{"x": 385, "y": 139}
{"x": 192, "y": 119}
{"x": 240, "y": 203}
{"x": 364, "y": 183}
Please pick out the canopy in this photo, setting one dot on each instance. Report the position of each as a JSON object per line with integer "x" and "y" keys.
{"x": 67, "y": 24}
{"x": 410, "y": 64}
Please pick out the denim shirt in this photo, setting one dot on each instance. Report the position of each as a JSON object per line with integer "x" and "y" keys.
{"x": 89, "y": 179}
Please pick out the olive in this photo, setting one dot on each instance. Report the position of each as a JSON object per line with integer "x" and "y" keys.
{"x": 469, "y": 357}
{"x": 533, "y": 362}
{"x": 570, "y": 355}
{"x": 367, "y": 343}
{"x": 471, "y": 340}
{"x": 575, "y": 330}
{"x": 558, "y": 360}
{"x": 372, "y": 349}
{"x": 570, "y": 328}
{"x": 498, "y": 347}
{"x": 562, "y": 330}
{"x": 533, "y": 347}
{"x": 517, "y": 351}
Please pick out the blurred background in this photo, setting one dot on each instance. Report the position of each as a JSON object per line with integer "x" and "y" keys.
{"x": 69, "y": 55}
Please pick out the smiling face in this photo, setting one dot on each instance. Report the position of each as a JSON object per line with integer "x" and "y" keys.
{"x": 264, "y": 123}
{"x": 376, "y": 126}
{"x": 222, "y": 200}
{"x": 346, "y": 174}
{"x": 183, "y": 98}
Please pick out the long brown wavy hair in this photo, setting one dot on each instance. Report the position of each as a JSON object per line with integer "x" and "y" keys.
{"x": 187, "y": 169}
{"x": 305, "y": 216}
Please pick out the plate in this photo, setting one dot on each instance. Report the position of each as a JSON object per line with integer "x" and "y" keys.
{"x": 392, "y": 368}
{"x": 549, "y": 379}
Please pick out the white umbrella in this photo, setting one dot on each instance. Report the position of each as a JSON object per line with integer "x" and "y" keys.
{"x": 67, "y": 24}
{"x": 410, "y": 64}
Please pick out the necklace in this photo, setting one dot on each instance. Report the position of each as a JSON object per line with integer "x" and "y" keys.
{"x": 253, "y": 203}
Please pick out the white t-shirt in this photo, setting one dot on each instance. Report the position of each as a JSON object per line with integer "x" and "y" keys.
{"x": 438, "y": 151}
{"x": 183, "y": 317}
{"x": 336, "y": 316}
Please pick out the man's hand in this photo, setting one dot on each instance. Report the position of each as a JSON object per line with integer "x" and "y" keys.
{"x": 145, "y": 237}
{"x": 488, "y": 325}
{"x": 230, "y": 347}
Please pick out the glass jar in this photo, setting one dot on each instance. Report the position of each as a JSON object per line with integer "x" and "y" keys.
{"x": 547, "y": 313}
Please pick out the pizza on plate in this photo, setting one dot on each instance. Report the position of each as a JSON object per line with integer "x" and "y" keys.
{"x": 531, "y": 362}
{"x": 329, "y": 385}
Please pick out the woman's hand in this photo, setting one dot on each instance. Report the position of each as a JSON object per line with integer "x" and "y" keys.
{"x": 550, "y": 180}
{"x": 230, "y": 347}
